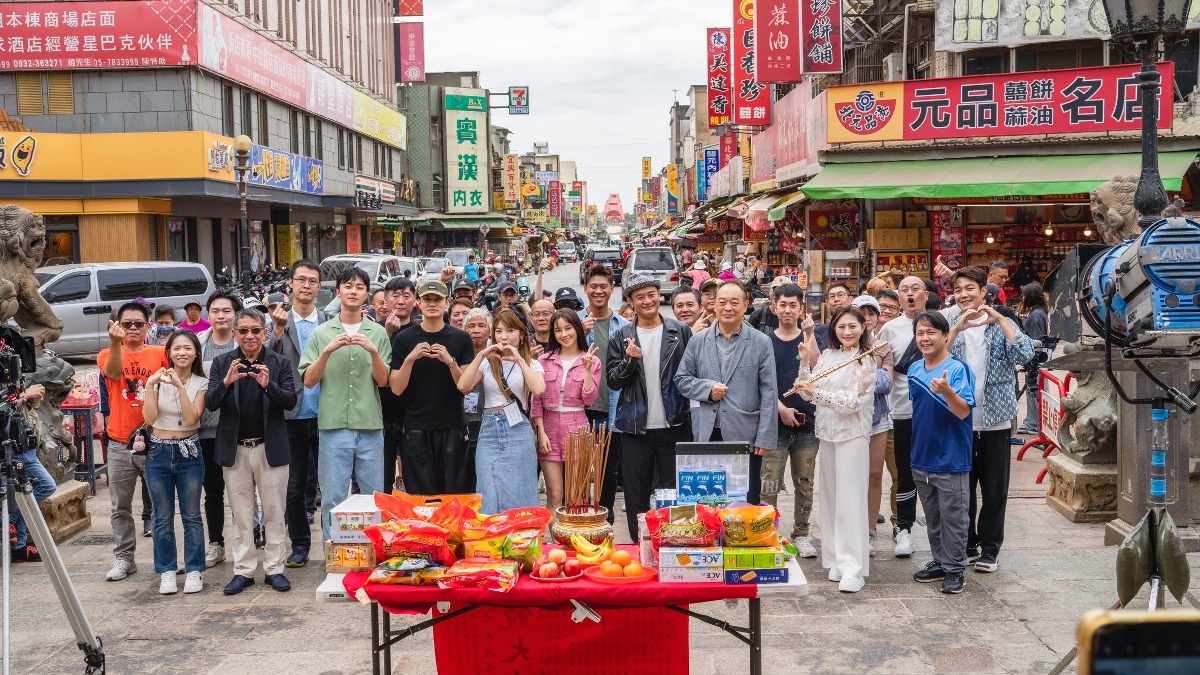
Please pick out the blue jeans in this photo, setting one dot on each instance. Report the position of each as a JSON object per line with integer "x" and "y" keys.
{"x": 345, "y": 453}
{"x": 506, "y": 464}
{"x": 43, "y": 487}
{"x": 169, "y": 472}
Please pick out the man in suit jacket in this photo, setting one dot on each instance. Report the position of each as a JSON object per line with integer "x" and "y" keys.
{"x": 253, "y": 388}
{"x": 729, "y": 370}
{"x": 290, "y": 330}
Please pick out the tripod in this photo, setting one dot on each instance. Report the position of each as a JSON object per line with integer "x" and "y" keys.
{"x": 15, "y": 481}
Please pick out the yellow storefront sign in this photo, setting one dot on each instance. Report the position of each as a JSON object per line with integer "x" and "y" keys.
{"x": 530, "y": 190}
{"x": 100, "y": 157}
{"x": 865, "y": 112}
{"x": 645, "y": 168}
{"x": 379, "y": 121}
{"x": 537, "y": 215}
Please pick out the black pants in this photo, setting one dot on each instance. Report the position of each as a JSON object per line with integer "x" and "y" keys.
{"x": 393, "y": 436}
{"x": 303, "y": 437}
{"x": 991, "y": 458}
{"x": 147, "y": 505}
{"x": 906, "y": 495}
{"x": 311, "y": 504}
{"x": 641, "y": 456}
{"x": 437, "y": 462}
{"x": 612, "y": 467}
{"x": 214, "y": 493}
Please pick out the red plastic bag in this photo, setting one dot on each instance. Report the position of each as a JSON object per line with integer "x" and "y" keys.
{"x": 492, "y": 575}
{"x": 448, "y": 512}
{"x": 512, "y": 535}
{"x": 411, "y": 539}
{"x": 686, "y": 525}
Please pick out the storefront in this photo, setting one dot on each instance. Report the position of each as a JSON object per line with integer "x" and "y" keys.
{"x": 433, "y": 230}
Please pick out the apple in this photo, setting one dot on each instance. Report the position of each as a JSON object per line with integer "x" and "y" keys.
{"x": 558, "y": 556}
{"x": 548, "y": 571}
{"x": 535, "y": 572}
{"x": 572, "y": 568}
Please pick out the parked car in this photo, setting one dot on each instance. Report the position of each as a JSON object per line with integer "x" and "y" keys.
{"x": 567, "y": 252}
{"x": 457, "y": 256}
{"x": 379, "y": 266}
{"x": 657, "y": 261}
{"x": 431, "y": 269}
{"x": 83, "y": 296}
{"x": 328, "y": 300}
{"x": 609, "y": 257}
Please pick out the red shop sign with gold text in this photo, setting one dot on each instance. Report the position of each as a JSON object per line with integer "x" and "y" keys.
{"x": 821, "y": 25}
{"x": 1074, "y": 100}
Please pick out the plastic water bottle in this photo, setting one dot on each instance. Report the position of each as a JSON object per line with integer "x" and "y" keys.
{"x": 1159, "y": 444}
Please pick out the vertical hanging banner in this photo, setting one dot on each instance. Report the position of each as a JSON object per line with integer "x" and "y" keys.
{"x": 728, "y": 149}
{"x": 751, "y": 98}
{"x": 646, "y": 174}
{"x": 821, "y": 24}
{"x": 712, "y": 164}
{"x": 672, "y": 188}
{"x": 777, "y": 32}
{"x": 655, "y": 190}
{"x": 719, "y": 78}
{"x": 512, "y": 181}
{"x": 554, "y": 202}
{"x": 410, "y": 43}
{"x": 466, "y": 150}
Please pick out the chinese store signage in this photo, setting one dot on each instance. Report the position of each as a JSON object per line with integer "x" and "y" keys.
{"x": 512, "y": 181}
{"x": 791, "y": 147}
{"x": 410, "y": 47}
{"x": 821, "y": 25}
{"x": 1038, "y": 102}
{"x": 467, "y": 187}
{"x": 832, "y": 230}
{"x": 285, "y": 170}
{"x": 712, "y": 164}
{"x": 554, "y": 201}
{"x": 777, "y": 27}
{"x": 371, "y": 194}
{"x": 762, "y": 154}
{"x": 78, "y": 35}
{"x": 751, "y": 98}
{"x": 672, "y": 188}
{"x": 719, "y": 78}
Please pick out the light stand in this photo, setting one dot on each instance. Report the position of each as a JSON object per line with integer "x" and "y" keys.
{"x": 241, "y": 170}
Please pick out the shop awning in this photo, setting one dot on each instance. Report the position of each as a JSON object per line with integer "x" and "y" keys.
{"x": 756, "y": 212}
{"x": 987, "y": 176}
{"x": 779, "y": 210}
{"x": 440, "y": 221}
{"x": 724, "y": 208}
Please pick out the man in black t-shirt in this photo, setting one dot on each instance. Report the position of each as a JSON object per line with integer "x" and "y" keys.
{"x": 397, "y": 316}
{"x": 434, "y": 456}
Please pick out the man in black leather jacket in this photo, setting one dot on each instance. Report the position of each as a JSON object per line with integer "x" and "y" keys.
{"x": 652, "y": 414}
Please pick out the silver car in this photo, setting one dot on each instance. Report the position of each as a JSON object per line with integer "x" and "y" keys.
{"x": 658, "y": 262}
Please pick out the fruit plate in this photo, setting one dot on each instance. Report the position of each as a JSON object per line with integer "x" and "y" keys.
{"x": 557, "y": 580}
{"x": 594, "y": 573}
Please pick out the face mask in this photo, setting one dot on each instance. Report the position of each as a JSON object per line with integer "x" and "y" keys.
{"x": 164, "y": 331}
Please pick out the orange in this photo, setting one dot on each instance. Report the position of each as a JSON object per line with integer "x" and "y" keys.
{"x": 611, "y": 570}
{"x": 621, "y": 557}
{"x": 633, "y": 570}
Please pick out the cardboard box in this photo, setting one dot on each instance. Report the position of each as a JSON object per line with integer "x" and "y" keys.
{"x": 350, "y": 517}
{"x": 892, "y": 240}
{"x": 690, "y": 556}
{"x": 682, "y": 575}
{"x": 916, "y": 219}
{"x": 775, "y": 576}
{"x": 753, "y": 557}
{"x": 889, "y": 220}
{"x": 343, "y": 558}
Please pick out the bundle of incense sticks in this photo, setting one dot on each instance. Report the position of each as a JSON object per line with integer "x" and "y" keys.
{"x": 585, "y": 453}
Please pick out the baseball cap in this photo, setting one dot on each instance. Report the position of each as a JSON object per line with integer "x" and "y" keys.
{"x": 709, "y": 283}
{"x": 193, "y": 302}
{"x": 567, "y": 296}
{"x": 464, "y": 285}
{"x": 432, "y": 288}
{"x": 866, "y": 301}
{"x": 780, "y": 281}
{"x": 506, "y": 287}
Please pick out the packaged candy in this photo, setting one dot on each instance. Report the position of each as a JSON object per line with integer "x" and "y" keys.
{"x": 743, "y": 524}
{"x": 683, "y": 525}
{"x": 492, "y": 575}
{"x": 411, "y": 539}
{"x": 515, "y": 534}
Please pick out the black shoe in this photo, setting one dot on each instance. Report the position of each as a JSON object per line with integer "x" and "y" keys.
{"x": 27, "y": 554}
{"x": 972, "y": 554}
{"x": 953, "y": 583}
{"x": 238, "y": 584}
{"x": 880, "y": 519}
{"x": 987, "y": 563}
{"x": 311, "y": 518}
{"x": 297, "y": 558}
{"x": 147, "y": 529}
{"x": 278, "y": 582}
{"x": 931, "y": 572}
{"x": 260, "y": 537}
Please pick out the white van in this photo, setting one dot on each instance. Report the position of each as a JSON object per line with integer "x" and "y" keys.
{"x": 83, "y": 296}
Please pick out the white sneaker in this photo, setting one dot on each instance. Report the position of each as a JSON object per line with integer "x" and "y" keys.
{"x": 194, "y": 583}
{"x": 835, "y": 575}
{"x": 120, "y": 569}
{"x": 804, "y": 548}
{"x": 215, "y": 553}
{"x": 851, "y": 584}
{"x": 904, "y": 544}
{"x": 167, "y": 585}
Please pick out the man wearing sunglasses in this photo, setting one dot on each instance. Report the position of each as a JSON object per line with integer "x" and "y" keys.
{"x": 126, "y": 365}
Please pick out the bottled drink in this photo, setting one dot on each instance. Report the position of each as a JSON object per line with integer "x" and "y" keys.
{"x": 1159, "y": 444}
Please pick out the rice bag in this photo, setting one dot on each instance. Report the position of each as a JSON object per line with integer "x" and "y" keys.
{"x": 683, "y": 525}
{"x": 411, "y": 539}
{"x": 515, "y": 534}
{"x": 745, "y": 524}
{"x": 492, "y": 575}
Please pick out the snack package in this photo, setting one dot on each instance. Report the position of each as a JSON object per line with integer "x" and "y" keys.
{"x": 744, "y": 524}
{"x": 492, "y": 575}
{"x": 515, "y": 534}
{"x": 426, "y": 576}
{"x": 683, "y": 525}
{"x": 446, "y": 511}
{"x": 411, "y": 539}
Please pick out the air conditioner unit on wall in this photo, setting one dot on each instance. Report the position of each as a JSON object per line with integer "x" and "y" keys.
{"x": 893, "y": 68}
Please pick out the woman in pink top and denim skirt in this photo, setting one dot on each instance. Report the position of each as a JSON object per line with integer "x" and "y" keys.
{"x": 572, "y": 384}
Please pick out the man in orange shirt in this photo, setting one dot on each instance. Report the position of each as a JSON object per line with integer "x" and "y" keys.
{"x": 126, "y": 365}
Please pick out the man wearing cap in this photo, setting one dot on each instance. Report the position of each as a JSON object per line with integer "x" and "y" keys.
{"x": 708, "y": 299}
{"x": 348, "y": 357}
{"x": 507, "y": 293}
{"x": 652, "y": 414}
{"x": 540, "y": 314}
{"x": 194, "y": 322}
{"x": 398, "y": 316}
{"x": 464, "y": 289}
{"x": 434, "y": 454}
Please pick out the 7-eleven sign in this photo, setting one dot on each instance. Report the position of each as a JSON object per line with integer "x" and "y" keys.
{"x": 518, "y": 100}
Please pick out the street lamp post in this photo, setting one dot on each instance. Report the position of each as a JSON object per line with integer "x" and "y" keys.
{"x": 241, "y": 169}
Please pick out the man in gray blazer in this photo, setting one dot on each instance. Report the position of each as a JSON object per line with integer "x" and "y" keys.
{"x": 289, "y": 331}
{"x": 728, "y": 371}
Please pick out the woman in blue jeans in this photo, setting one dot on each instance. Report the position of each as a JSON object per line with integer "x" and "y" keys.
{"x": 174, "y": 463}
{"x": 506, "y": 456}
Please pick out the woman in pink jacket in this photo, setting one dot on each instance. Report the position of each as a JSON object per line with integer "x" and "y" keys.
{"x": 572, "y": 384}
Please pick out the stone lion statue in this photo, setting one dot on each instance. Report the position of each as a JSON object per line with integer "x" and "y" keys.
{"x": 1112, "y": 209}
{"x": 58, "y": 377}
{"x": 1089, "y": 426}
{"x": 22, "y": 243}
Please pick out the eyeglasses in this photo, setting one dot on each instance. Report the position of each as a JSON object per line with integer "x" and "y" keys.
{"x": 889, "y": 308}
{"x": 133, "y": 325}
{"x": 837, "y": 294}
{"x": 911, "y": 289}
{"x": 253, "y": 331}
{"x": 306, "y": 281}
{"x": 542, "y": 315}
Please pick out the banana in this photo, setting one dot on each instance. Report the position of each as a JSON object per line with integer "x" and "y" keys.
{"x": 583, "y": 546}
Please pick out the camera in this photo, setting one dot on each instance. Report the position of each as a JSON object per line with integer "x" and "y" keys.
{"x": 16, "y": 357}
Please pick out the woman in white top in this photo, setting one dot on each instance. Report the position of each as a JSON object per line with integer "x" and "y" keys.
{"x": 174, "y": 463}
{"x": 506, "y": 457}
{"x": 844, "y": 401}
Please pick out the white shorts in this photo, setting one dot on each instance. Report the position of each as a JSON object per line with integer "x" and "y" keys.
{"x": 885, "y": 424}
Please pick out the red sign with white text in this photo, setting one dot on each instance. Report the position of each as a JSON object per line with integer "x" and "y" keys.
{"x": 762, "y": 155}
{"x": 410, "y": 41}
{"x": 821, "y": 24}
{"x": 81, "y": 35}
{"x": 777, "y": 31}
{"x": 791, "y": 145}
{"x": 720, "y": 77}
{"x": 729, "y": 149}
{"x": 238, "y": 53}
{"x": 751, "y": 98}
{"x": 554, "y": 201}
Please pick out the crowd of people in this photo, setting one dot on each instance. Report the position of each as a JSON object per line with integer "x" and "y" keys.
{"x": 264, "y": 410}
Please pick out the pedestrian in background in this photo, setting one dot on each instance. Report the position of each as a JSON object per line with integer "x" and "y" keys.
{"x": 194, "y": 322}
{"x": 164, "y": 325}
{"x": 1036, "y": 326}
{"x": 881, "y": 415}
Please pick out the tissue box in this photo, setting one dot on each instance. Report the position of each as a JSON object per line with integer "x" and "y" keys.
{"x": 343, "y": 558}
{"x": 682, "y": 557}
{"x": 762, "y": 576}
{"x": 754, "y": 558}
{"x": 680, "y": 575}
{"x": 350, "y": 517}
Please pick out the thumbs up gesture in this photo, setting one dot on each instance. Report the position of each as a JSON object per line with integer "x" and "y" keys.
{"x": 941, "y": 385}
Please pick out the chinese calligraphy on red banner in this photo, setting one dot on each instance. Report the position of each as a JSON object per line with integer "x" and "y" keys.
{"x": 751, "y": 98}
{"x": 719, "y": 77}
{"x": 554, "y": 201}
{"x": 777, "y": 28}
{"x": 821, "y": 28}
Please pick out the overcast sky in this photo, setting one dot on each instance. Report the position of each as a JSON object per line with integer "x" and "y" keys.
{"x": 600, "y": 73}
